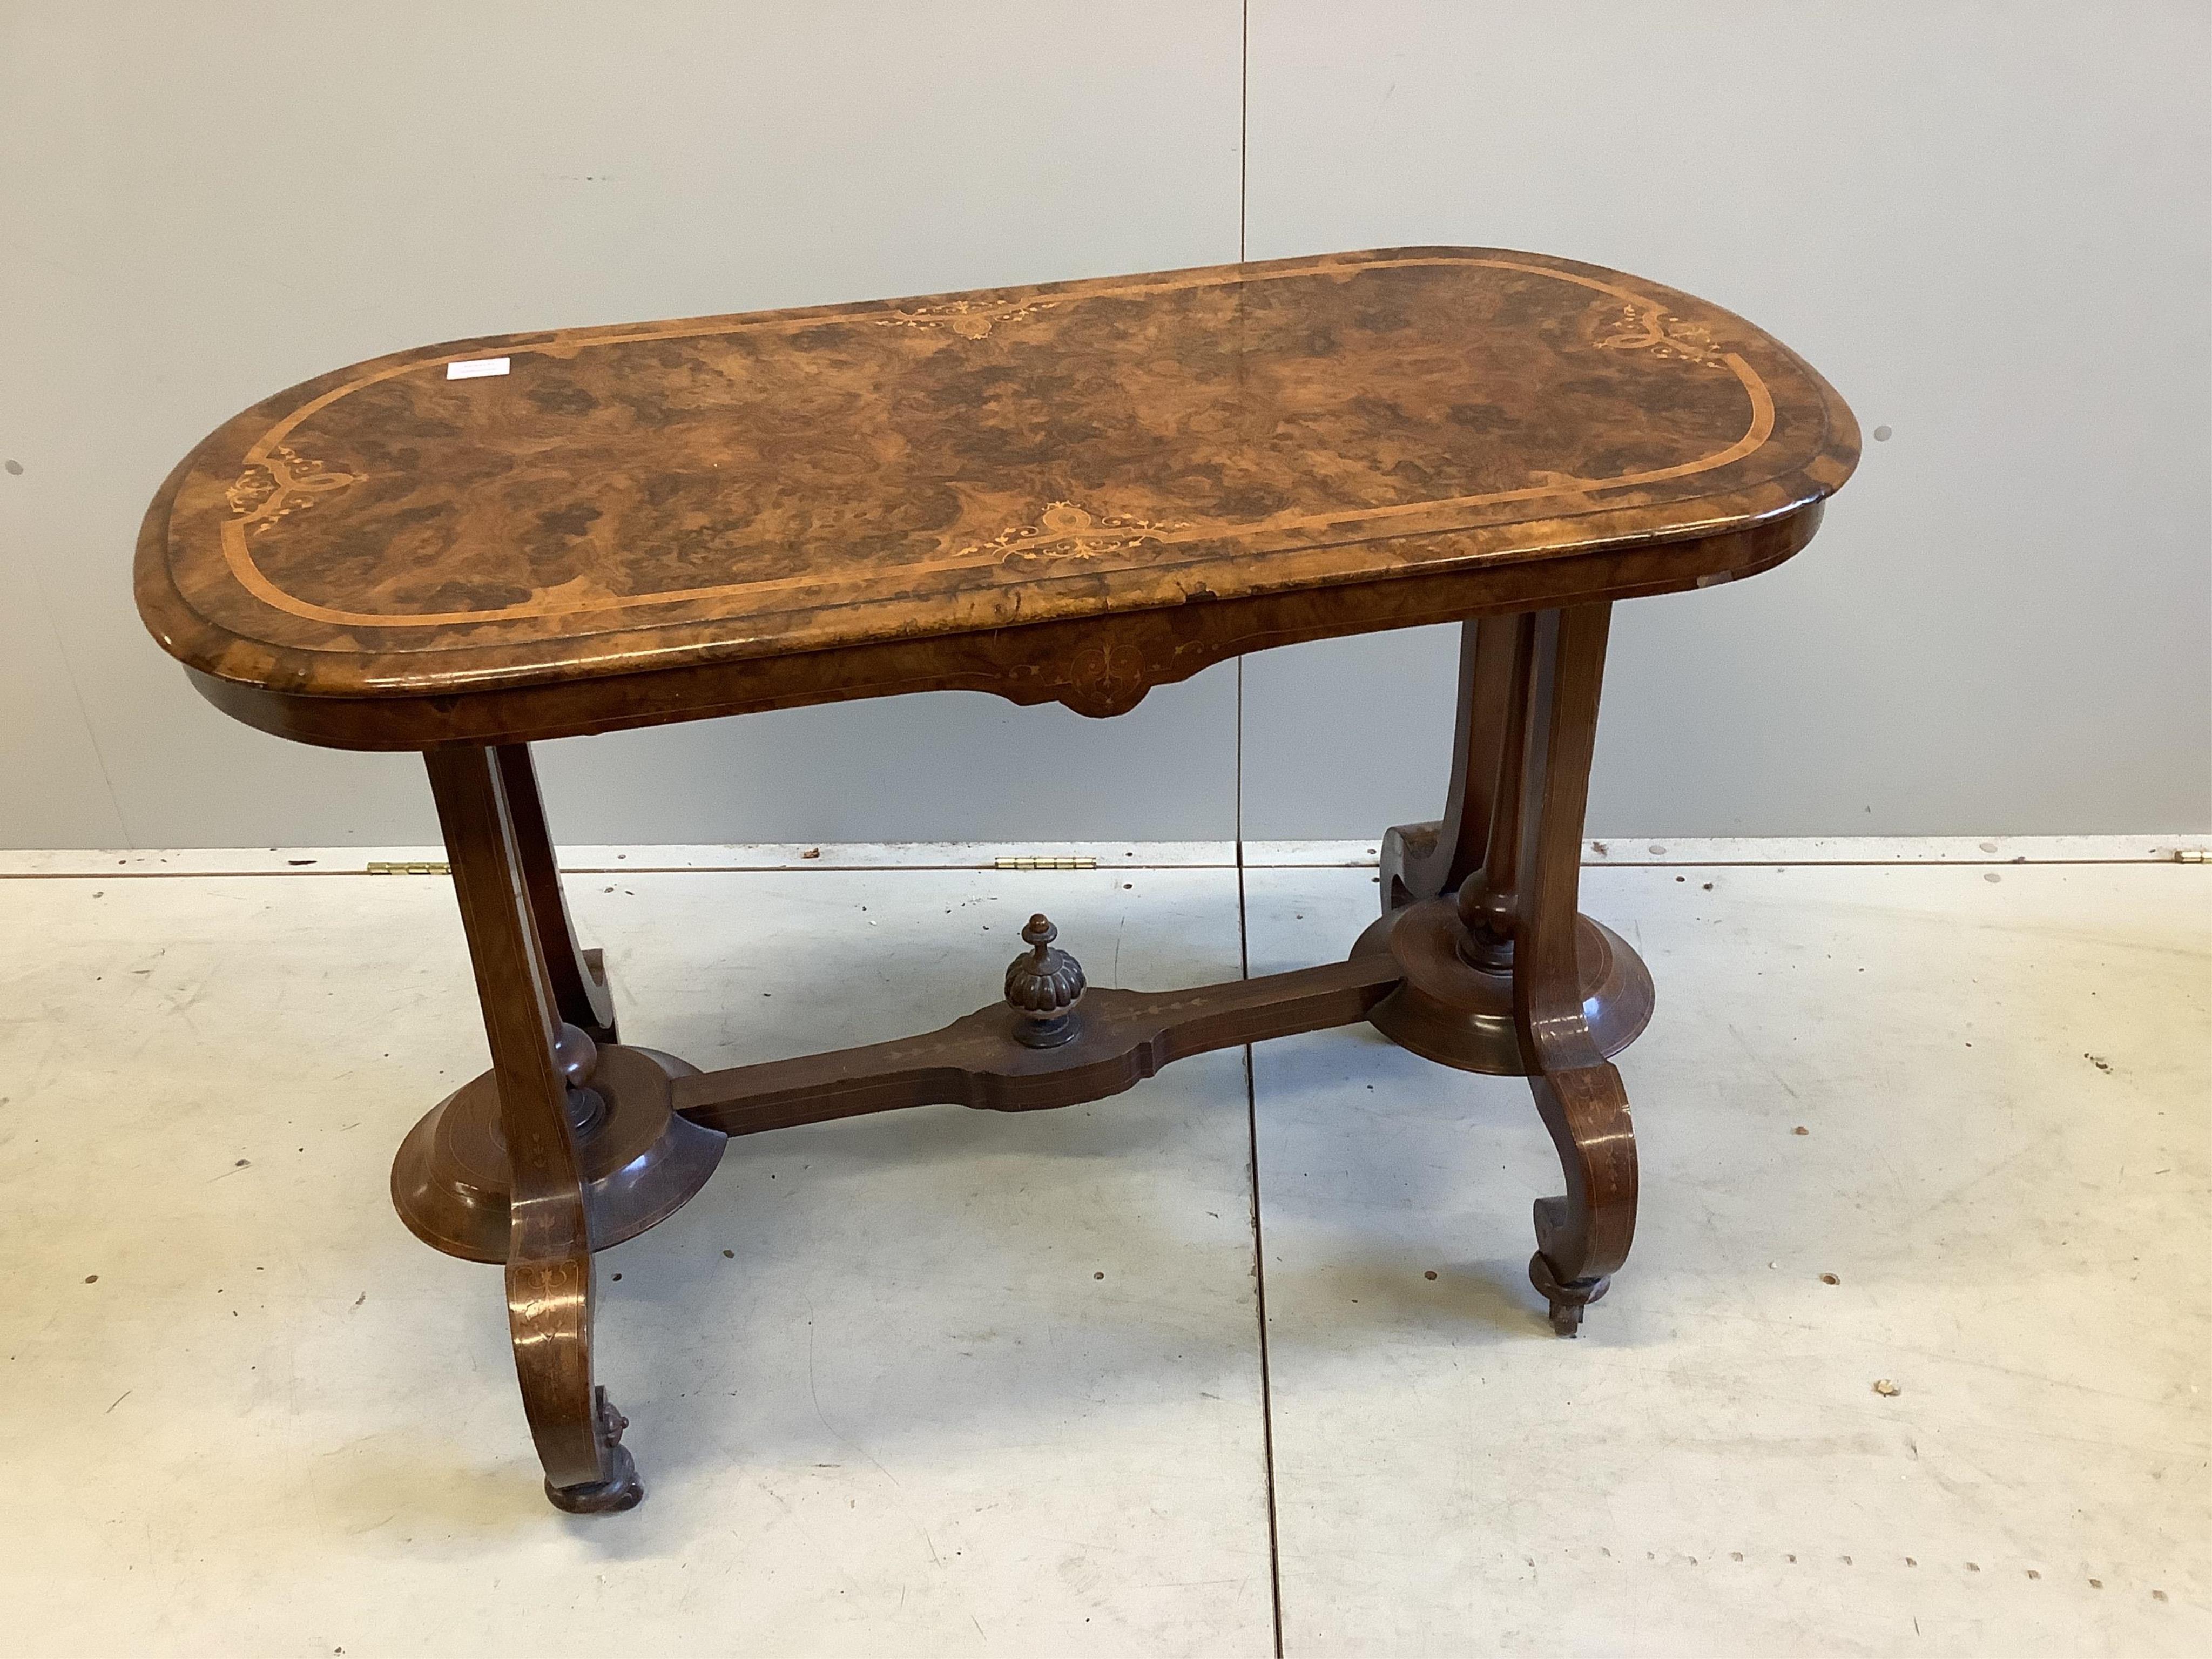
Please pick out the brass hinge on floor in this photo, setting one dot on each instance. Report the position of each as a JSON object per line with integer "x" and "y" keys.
{"x": 2189, "y": 855}
{"x": 421, "y": 867}
{"x": 1046, "y": 864}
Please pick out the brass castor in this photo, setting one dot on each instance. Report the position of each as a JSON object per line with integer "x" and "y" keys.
{"x": 1567, "y": 1300}
{"x": 621, "y": 1491}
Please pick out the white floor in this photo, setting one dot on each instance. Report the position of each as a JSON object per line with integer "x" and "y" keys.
{"x": 952, "y": 1382}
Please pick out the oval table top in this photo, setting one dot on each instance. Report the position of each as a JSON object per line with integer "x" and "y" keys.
{"x": 1071, "y": 492}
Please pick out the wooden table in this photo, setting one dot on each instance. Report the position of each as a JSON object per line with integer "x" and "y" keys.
{"x": 1069, "y": 493}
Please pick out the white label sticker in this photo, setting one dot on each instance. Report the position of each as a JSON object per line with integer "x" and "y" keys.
{"x": 477, "y": 369}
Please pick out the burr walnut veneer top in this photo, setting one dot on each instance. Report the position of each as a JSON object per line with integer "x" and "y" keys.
{"x": 1146, "y": 473}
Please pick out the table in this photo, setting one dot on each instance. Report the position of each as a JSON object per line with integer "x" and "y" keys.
{"x": 1071, "y": 492}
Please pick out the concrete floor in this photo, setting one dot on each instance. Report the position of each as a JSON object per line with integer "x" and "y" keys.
{"x": 951, "y": 1383}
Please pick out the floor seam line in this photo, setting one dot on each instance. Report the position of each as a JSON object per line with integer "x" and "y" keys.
{"x": 985, "y": 869}
{"x": 1259, "y": 1232}
{"x": 1267, "y": 1380}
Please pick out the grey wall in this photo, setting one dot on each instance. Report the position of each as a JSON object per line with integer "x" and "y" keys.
{"x": 1988, "y": 224}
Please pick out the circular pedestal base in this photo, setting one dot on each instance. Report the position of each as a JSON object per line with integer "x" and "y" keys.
{"x": 1459, "y": 1015}
{"x": 450, "y": 1186}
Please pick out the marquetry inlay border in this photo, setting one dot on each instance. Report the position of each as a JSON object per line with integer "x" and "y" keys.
{"x": 276, "y": 481}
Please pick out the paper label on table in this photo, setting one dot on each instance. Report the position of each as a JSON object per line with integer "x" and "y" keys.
{"x": 477, "y": 369}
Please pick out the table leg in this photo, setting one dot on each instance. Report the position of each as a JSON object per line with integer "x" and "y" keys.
{"x": 1426, "y": 860}
{"x": 1502, "y": 973}
{"x": 578, "y": 976}
{"x": 1583, "y": 1236}
{"x": 539, "y": 1066}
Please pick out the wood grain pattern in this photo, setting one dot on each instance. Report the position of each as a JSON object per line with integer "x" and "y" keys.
{"x": 891, "y": 490}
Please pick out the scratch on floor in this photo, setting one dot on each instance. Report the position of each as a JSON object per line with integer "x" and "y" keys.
{"x": 815, "y": 1394}
{"x": 1779, "y": 1079}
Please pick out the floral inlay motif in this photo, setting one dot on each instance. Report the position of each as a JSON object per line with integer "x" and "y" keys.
{"x": 1064, "y": 530}
{"x": 286, "y": 482}
{"x": 1647, "y": 328}
{"x": 971, "y": 320}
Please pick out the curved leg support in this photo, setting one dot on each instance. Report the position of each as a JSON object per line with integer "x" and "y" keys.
{"x": 1582, "y": 1238}
{"x": 588, "y": 1471}
{"x": 576, "y": 976}
{"x": 1583, "y": 1235}
{"x": 1427, "y": 860}
{"x": 542, "y": 1069}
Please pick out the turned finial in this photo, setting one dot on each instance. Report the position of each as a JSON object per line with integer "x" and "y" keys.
{"x": 1487, "y": 919}
{"x": 577, "y": 1058}
{"x": 1043, "y": 986}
